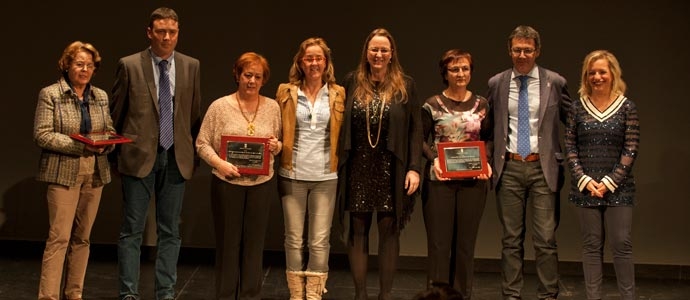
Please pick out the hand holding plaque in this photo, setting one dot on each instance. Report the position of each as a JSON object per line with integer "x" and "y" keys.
{"x": 249, "y": 154}
{"x": 100, "y": 138}
{"x": 462, "y": 159}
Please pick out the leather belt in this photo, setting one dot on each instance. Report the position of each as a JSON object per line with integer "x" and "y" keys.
{"x": 529, "y": 158}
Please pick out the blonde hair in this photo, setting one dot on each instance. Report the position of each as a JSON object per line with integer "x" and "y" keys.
{"x": 297, "y": 74}
{"x": 71, "y": 52}
{"x": 618, "y": 86}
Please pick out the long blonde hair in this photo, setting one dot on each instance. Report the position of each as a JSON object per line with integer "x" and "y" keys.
{"x": 393, "y": 87}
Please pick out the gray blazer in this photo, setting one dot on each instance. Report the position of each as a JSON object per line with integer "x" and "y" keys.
{"x": 135, "y": 114}
{"x": 554, "y": 104}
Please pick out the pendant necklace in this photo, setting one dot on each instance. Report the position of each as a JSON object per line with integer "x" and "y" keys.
{"x": 250, "y": 123}
{"x": 382, "y": 104}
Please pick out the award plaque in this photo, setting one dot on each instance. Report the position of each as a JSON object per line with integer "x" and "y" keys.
{"x": 462, "y": 159}
{"x": 249, "y": 154}
{"x": 100, "y": 138}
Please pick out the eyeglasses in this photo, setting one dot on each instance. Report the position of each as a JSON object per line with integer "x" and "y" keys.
{"x": 383, "y": 51}
{"x": 526, "y": 51}
{"x": 80, "y": 65}
{"x": 308, "y": 59}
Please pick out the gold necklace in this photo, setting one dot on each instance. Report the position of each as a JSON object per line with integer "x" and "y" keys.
{"x": 378, "y": 135}
{"x": 250, "y": 123}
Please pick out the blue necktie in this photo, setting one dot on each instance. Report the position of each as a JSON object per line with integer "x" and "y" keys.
{"x": 523, "y": 147}
{"x": 165, "y": 106}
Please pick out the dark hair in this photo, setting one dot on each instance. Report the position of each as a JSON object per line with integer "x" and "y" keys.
{"x": 162, "y": 13}
{"x": 524, "y": 32}
{"x": 439, "y": 291}
{"x": 451, "y": 56}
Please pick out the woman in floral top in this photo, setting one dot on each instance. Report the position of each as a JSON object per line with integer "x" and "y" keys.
{"x": 456, "y": 115}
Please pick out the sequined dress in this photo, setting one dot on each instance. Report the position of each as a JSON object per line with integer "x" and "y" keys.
{"x": 370, "y": 179}
{"x": 602, "y": 146}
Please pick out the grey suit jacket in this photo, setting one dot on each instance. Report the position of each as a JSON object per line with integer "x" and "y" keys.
{"x": 554, "y": 104}
{"x": 135, "y": 114}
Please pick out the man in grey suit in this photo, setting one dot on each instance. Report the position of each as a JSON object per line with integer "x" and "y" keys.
{"x": 527, "y": 102}
{"x": 156, "y": 103}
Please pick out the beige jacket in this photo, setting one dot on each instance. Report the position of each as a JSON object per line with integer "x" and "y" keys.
{"x": 287, "y": 99}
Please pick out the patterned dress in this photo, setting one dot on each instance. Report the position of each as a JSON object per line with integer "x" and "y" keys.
{"x": 602, "y": 146}
{"x": 370, "y": 182}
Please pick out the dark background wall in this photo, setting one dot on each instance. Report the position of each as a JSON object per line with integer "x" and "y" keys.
{"x": 651, "y": 40}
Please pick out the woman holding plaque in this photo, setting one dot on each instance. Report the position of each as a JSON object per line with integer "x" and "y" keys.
{"x": 601, "y": 138}
{"x": 379, "y": 159}
{"x": 455, "y": 115}
{"x": 312, "y": 107}
{"x": 75, "y": 172}
{"x": 241, "y": 193}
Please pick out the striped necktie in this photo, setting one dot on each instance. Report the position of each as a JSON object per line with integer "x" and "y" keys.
{"x": 165, "y": 105}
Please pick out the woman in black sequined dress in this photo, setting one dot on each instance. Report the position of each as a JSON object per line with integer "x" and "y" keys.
{"x": 379, "y": 160}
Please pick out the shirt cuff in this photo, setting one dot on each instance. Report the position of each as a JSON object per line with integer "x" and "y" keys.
{"x": 582, "y": 183}
{"x": 610, "y": 184}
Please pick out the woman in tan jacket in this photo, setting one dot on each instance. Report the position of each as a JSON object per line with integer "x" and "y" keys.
{"x": 312, "y": 106}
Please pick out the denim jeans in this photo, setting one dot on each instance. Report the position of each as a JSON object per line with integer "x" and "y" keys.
{"x": 167, "y": 185}
{"x": 317, "y": 198}
{"x": 72, "y": 212}
{"x": 523, "y": 187}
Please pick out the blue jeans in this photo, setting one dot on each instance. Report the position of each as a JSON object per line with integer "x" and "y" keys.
{"x": 523, "y": 187}
{"x": 318, "y": 199}
{"x": 167, "y": 184}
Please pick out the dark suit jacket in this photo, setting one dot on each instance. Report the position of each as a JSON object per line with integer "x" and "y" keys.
{"x": 554, "y": 104}
{"x": 135, "y": 114}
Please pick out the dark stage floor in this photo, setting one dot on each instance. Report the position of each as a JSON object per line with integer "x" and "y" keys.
{"x": 20, "y": 264}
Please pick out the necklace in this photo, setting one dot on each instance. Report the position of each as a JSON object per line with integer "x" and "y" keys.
{"x": 250, "y": 123}
{"x": 378, "y": 135}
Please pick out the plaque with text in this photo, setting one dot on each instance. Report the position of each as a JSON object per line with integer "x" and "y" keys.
{"x": 249, "y": 154}
{"x": 100, "y": 138}
{"x": 462, "y": 159}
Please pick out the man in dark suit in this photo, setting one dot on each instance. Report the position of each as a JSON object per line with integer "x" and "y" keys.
{"x": 527, "y": 102}
{"x": 156, "y": 103}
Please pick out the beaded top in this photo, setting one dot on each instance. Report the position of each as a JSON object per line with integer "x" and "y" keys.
{"x": 370, "y": 182}
{"x": 602, "y": 145}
